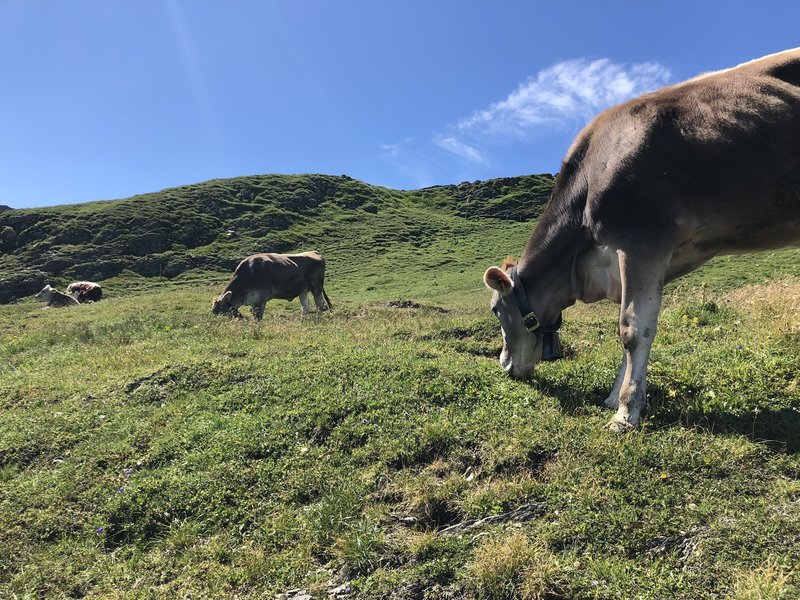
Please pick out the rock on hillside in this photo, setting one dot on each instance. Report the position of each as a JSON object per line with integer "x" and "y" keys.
{"x": 511, "y": 198}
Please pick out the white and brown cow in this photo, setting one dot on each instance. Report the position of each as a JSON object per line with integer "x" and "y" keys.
{"x": 263, "y": 277}
{"x": 85, "y": 291}
{"x": 650, "y": 190}
{"x": 55, "y": 299}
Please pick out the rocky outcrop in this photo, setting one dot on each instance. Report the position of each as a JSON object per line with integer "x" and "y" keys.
{"x": 21, "y": 284}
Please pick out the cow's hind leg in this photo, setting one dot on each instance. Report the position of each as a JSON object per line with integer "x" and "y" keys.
{"x": 642, "y": 276}
{"x": 612, "y": 401}
{"x": 319, "y": 300}
{"x": 304, "y": 303}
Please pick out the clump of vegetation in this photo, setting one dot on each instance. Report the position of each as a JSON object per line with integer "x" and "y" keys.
{"x": 772, "y": 581}
{"x": 510, "y": 566}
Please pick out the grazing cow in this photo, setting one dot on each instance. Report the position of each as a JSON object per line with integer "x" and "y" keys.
{"x": 85, "y": 291}
{"x": 54, "y": 298}
{"x": 650, "y": 190}
{"x": 262, "y": 277}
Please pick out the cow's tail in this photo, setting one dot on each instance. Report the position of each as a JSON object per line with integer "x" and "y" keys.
{"x": 328, "y": 300}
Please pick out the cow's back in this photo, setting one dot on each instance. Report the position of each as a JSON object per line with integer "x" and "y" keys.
{"x": 716, "y": 157}
{"x": 311, "y": 264}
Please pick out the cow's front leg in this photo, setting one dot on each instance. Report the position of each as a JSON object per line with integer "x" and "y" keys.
{"x": 258, "y": 311}
{"x": 304, "y": 303}
{"x": 642, "y": 288}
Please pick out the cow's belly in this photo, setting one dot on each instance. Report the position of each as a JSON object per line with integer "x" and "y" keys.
{"x": 254, "y": 297}
{"x": 750, "y": 239}
{"x": 685, "y": 259}
{"x": 260, "y": 295}
{"x": 289, "y": 291}
{"x": 704, "y": 243}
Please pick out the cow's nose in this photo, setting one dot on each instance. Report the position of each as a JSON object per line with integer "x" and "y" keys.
{"x": 513, "y": 370}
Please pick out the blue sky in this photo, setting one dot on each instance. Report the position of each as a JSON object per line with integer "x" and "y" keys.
{"x": 106, "y": 99}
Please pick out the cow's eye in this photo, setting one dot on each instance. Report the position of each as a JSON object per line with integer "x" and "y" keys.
{"x": 496, "y": 312}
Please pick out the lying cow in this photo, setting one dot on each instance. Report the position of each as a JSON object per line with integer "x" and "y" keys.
{"x": 55, "y": 299}
{"x": 650, "y": 190}
{"x": 262, "y": 277}
{"x": 85, "y": 291}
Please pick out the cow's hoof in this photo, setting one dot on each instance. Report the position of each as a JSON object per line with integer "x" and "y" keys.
{"x": 612, "y": 402}
{"x": 617, "y": 425}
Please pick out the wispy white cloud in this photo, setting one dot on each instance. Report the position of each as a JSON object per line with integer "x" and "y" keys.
{"x": 393, "y": 150}
{"x": 410, "y": 161}
{"x": 567, "y": 93}
{"x": 457, "y": 146}
{"x": 390, "y": 150}
{"x": 563, "y": 96}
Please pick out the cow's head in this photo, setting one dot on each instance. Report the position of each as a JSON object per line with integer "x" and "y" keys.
{"x": 527, "y": 339}
{"x": 46, "y": 294}
{"x": 221, "y": 305}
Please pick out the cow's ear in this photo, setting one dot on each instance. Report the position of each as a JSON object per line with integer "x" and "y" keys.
{"x": 226, "y": 297}
{"x": 496, "y": 279}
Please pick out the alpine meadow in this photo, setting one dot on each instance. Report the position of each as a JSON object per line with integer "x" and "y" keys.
{"x": 151, "y": 449}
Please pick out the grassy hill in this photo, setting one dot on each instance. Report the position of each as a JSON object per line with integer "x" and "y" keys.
{"x": 207, "y": 228}
{"x": 149, "y": 449}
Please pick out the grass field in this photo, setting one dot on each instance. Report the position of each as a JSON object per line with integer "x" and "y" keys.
{"x": 148, "y": 449}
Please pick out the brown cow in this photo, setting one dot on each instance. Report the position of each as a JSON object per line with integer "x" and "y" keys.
{"x": 650, "y": 190}
{"x": 55, "y": 299}
{"x": 85, "y": 291}
{"x": 262, "y": 277}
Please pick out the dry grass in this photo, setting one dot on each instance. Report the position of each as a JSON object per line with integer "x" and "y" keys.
{"x": 512, "y": 566}
{"x": 773, "y": 581}
{"x": 777, "y": 300}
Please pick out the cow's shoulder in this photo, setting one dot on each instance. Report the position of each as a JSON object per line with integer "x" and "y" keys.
{"x": 256, "y": 260}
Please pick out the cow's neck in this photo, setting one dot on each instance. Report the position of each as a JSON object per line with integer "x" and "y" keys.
{"x": 547, "y": 268}
{"x": 547, "y": 271}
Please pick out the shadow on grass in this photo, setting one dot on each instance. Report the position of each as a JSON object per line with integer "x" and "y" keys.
{"x": 778, "y": 429}
{"x": 574, "y": 397}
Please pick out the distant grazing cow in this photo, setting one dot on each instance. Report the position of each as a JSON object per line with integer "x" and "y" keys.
{"x": 650, "y": 190}
{"x": 263, "y": 277}
{"x": 85, "y": 291}
{"x": 55, "y": 299}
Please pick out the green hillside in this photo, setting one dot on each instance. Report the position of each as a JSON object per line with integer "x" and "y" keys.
{"x": 209, "y": 227}
{"x": 151, "y": 450}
